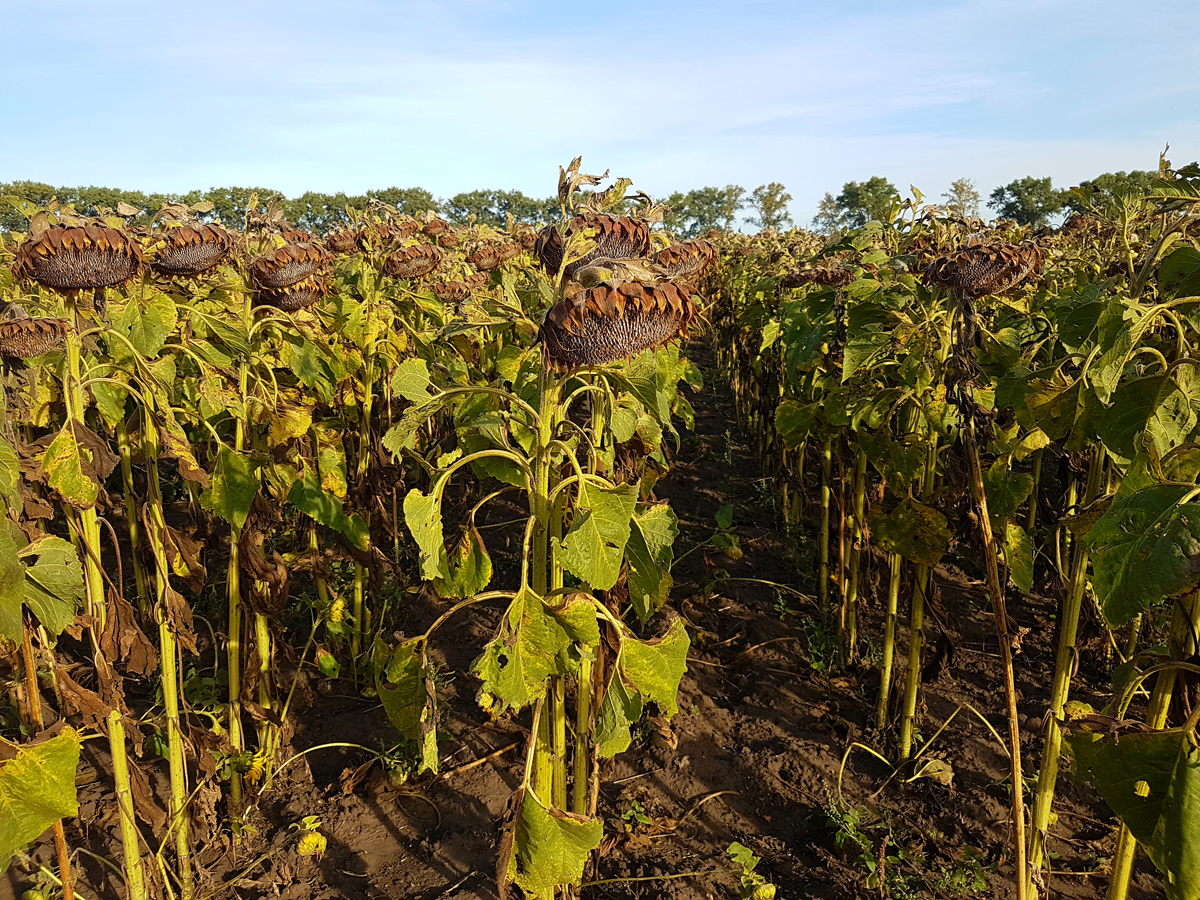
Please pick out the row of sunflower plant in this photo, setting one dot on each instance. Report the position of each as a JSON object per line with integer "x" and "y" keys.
{"x": 191, "y": 396}
{"x": 1029, "y": 398}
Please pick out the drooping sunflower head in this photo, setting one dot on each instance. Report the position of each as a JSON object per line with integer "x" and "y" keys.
{"x": 22, "y": 337}
{"x": 985, "y": 268}
{"x": 191, "y": 250}
{"x": 79, "y": 257}
{"x": 686, "y": 258}
{"x": 300, "y": 295}
{"x": 288, "y": 265}
{"x": 616, "y": 237}
{"x": 605, "y": 323}
{"x": 412, "y": 262}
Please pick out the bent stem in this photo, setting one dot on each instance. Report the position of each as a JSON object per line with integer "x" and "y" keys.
{"x": 999, "y": 614}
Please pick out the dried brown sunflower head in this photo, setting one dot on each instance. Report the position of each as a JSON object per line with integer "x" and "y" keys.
{"x": 616, "y": 237}
{"x": 300, "y": 295}
{"x": 686, "y": 258}
{"x": 293, "y": 235}
{"x": 413, "y": 262}
{"x": 288, "y": 265}
{"x": 451, "y": 291}
{"x": 77, "y": 257}
{"x": 344, "y": 241}
{"x": 833, "y": 276}
{"x": 191, "y": 250}
{"x": 592, "y": 326}
{"x": 487, "y": 257}
{"x": 985, "y": 269}
{"x": 436, "y": 227}
{"x": 22, "y": 337}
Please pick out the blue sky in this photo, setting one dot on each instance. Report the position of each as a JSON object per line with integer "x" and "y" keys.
{"x": 357, "y": 94}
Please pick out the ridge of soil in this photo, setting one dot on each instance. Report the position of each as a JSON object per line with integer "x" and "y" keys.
{"x": 753, "y": 755}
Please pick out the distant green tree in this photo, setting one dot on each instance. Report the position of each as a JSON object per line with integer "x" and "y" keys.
{"x": 1103, "y": 189}
{"x": 830, "y": 218}
{"x": 867, "y": 201}
{"x": 962, "y": 199}
{"x": 409, "y": 201}
{"x": 700, "y": 211}
{"x": 770, "y": 202}
{"x": 319, "y": 213}
{"x": 1028, "y": 200}
{"x": 492, "y": 207}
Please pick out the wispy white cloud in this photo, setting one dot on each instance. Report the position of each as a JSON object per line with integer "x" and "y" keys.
{"x": 458, "y": 95}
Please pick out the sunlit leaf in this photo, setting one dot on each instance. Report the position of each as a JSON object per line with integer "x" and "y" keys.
{"x": 37, "y": 788}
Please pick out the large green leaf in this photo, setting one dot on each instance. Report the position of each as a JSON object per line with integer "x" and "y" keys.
{"x": 309, "y": 497}
{"x": 37, "y": 788}
{"x": 234, "y": 485}
{"x": 64, "y": 465}
{"x": 423, "y": 515}
{"x": 917, "y": 532}
{"x": 1152, "y": 782}
{"x": 1006, "y": 490}
{"x": 550, "y": 848}
{"x": 794, "y": 421}
{"x": 470, "y": 567}
{"x": 646, "y": 672}
{"x": 533, "y": 643}
{"x": 10, "y": 476}
{"x": 1145, "y": 549}
{"x": 411, "y": 381}
{"x": 1179, "y": 273}
{"x": 1155, "y": 406}
{"x": 649, "y": 553}
{"x": 53, "y": 586}
{"x": 12, "y": 580}
{"x": 594, "y": 547}
{"x": 146, "y": 322}
{"x": 408, "y": 699}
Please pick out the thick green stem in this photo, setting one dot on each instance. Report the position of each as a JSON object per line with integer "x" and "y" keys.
{"x": 1031, "y": 513}
{"x": 89, "y": 539}
{"x": 1060, "y": 689}
{"x": 233, "y": 594}
{"x": 131, "y": 516}
{"x": 168, "y": 663}
{"x": 1185, "y": 623}
{"x": 826, "y": 497}
{"x": 849, "y": 619}
{"x": 583, "y": 739}
{"x": 1000, "y": 616}
{"x": 921, "y": 583}
{"x": 889, "y": 641}
{"x": 135, "y": 885}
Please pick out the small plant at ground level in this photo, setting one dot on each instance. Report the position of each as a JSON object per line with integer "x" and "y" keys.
{"x": 752, "y": 886}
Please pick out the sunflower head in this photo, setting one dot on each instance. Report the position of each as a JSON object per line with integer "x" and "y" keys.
{"x": 79, "y": 257}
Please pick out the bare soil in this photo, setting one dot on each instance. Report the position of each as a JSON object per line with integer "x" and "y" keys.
{"x": 754, "y": 755}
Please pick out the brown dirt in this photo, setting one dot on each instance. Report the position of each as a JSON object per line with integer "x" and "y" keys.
{"x": 760, "y": 735}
